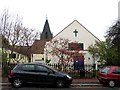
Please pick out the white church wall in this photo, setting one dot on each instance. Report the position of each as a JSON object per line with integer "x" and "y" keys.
{"x": 83, "y": 36}
{"x": 54, "y": 59}
{"x": 18, "y": 58}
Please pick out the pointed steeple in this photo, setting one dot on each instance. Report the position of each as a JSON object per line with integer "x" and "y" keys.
{"x": 46, "y": 33}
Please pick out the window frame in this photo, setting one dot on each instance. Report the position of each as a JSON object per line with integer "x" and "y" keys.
{"x": 41, "y": 71}
{"x": 49, "y": 70}
{"x": 75, "y": 46}
{"x": 116, "y": 70}
{"x": 105, "y": 70}
{"x": 29, "y": 70}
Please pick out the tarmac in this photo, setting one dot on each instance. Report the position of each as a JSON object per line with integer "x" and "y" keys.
{"x": 77, "y": 82}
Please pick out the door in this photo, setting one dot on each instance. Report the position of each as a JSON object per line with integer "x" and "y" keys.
{"x": 28, "y": 73}
{"x": 116, "y": 73}
{"x": 44, "y": 75}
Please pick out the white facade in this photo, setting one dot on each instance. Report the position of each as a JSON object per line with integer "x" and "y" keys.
{"x": 19, "y": 58}
{"x": 82, "y": 36}
{"x": 37, "y": 58}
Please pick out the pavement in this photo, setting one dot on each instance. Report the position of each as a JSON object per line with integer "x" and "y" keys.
{"x": 75, "y": 83}
{"x": 86, "y": 82}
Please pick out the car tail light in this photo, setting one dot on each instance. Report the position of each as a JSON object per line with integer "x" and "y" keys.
{"x": 11, "y": 73}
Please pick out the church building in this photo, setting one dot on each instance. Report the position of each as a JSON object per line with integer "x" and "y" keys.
{"x": 75, "y": 33}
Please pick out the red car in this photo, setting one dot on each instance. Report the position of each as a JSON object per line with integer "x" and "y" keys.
{"x": 109, "y": 75}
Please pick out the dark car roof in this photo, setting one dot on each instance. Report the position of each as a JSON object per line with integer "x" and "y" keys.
{"x": 36, "y": 63}
{"x": 32, "y": 63}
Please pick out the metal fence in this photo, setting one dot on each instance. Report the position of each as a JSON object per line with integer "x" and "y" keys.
{"x": 86, "y": 72}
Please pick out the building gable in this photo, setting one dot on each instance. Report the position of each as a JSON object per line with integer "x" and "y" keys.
{"x": 77, "y": 32}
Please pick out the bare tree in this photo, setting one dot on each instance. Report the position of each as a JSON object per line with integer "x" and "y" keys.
{"x": 13, "y": 30}
{"x": 29, "y": 37}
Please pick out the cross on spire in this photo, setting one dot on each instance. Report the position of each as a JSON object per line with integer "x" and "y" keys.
{"x": 46, "y": 17}
{"x": 75, "y": 32}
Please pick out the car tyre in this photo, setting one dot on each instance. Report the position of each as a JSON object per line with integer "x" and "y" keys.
{"x": 17, "y": 82}
{"x": 111, "y": 83}
{"x": 60, "y": 83}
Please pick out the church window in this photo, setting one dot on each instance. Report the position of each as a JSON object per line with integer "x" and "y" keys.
{"x": 81, "y": 46}
{"x": 75, "y": 46}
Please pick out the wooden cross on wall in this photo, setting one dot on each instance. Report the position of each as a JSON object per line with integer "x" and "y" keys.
{"x": 75, "y": 32}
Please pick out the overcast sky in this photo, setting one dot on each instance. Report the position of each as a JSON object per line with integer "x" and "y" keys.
{"x": 96, "y": 15}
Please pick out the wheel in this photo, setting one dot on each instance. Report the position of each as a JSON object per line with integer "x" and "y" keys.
{"x": 111, "y": 83}
{"x": 60, "y": 83}
{"x": 17, "y": 82}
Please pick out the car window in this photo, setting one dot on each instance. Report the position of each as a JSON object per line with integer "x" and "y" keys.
{"x": 105, "y": 70}
{"x": 117, "y": 71}
{"x": 17, "y": 67}
{"x": 28, "y": 67}
{"x": 40, "y": 68}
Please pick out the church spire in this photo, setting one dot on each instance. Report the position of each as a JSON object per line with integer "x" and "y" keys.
{"x": 46, "y": 17}
{"x": 46, "y": 33}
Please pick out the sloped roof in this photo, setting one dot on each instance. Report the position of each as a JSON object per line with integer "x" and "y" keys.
{"x": 24, "y": 50}
{"x": 38, "y": 47}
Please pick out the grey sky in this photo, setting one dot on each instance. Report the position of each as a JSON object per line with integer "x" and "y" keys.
{"x": 96, "y": 15}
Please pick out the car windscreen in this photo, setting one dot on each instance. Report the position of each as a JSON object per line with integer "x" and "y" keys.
{"x": 51, "y": 68}
{"x": 105, "y": 70}
{"x": 17, "y": 67}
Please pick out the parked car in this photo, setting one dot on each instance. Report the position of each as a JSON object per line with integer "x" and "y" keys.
{"x": 109, "y": 75}
{"x": 38, "y": 74}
